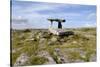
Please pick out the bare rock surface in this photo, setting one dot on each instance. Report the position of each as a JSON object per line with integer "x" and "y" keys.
{"x": 45, "y": 54}
{"x": 60, "y": 56}
{"x": 93, "y": 58}
{"x": 21, "y": 60}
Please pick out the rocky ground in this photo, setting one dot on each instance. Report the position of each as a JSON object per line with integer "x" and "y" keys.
{"x": 38, "y": 46}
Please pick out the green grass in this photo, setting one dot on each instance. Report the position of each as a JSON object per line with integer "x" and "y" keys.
{"x": 14, "y": 57}
{"x": 35, "y": 60}
{"x": 31, "y": 48}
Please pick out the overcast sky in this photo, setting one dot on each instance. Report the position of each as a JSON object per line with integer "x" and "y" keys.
{"x": 35, "y": 14}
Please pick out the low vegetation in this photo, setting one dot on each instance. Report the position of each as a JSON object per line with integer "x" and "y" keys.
{"x": 79, "y": 47}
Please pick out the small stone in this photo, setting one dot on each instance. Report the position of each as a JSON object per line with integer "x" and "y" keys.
{"x": 42, "y": 40}
{"x": 39, "y": 35}
{"x": 50, "y": 43}
{"x": 62, "y": 40}
{"x": 54, "y": 39}
{"x": 74, "y": 42}
{"x": 57, "y": 49}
